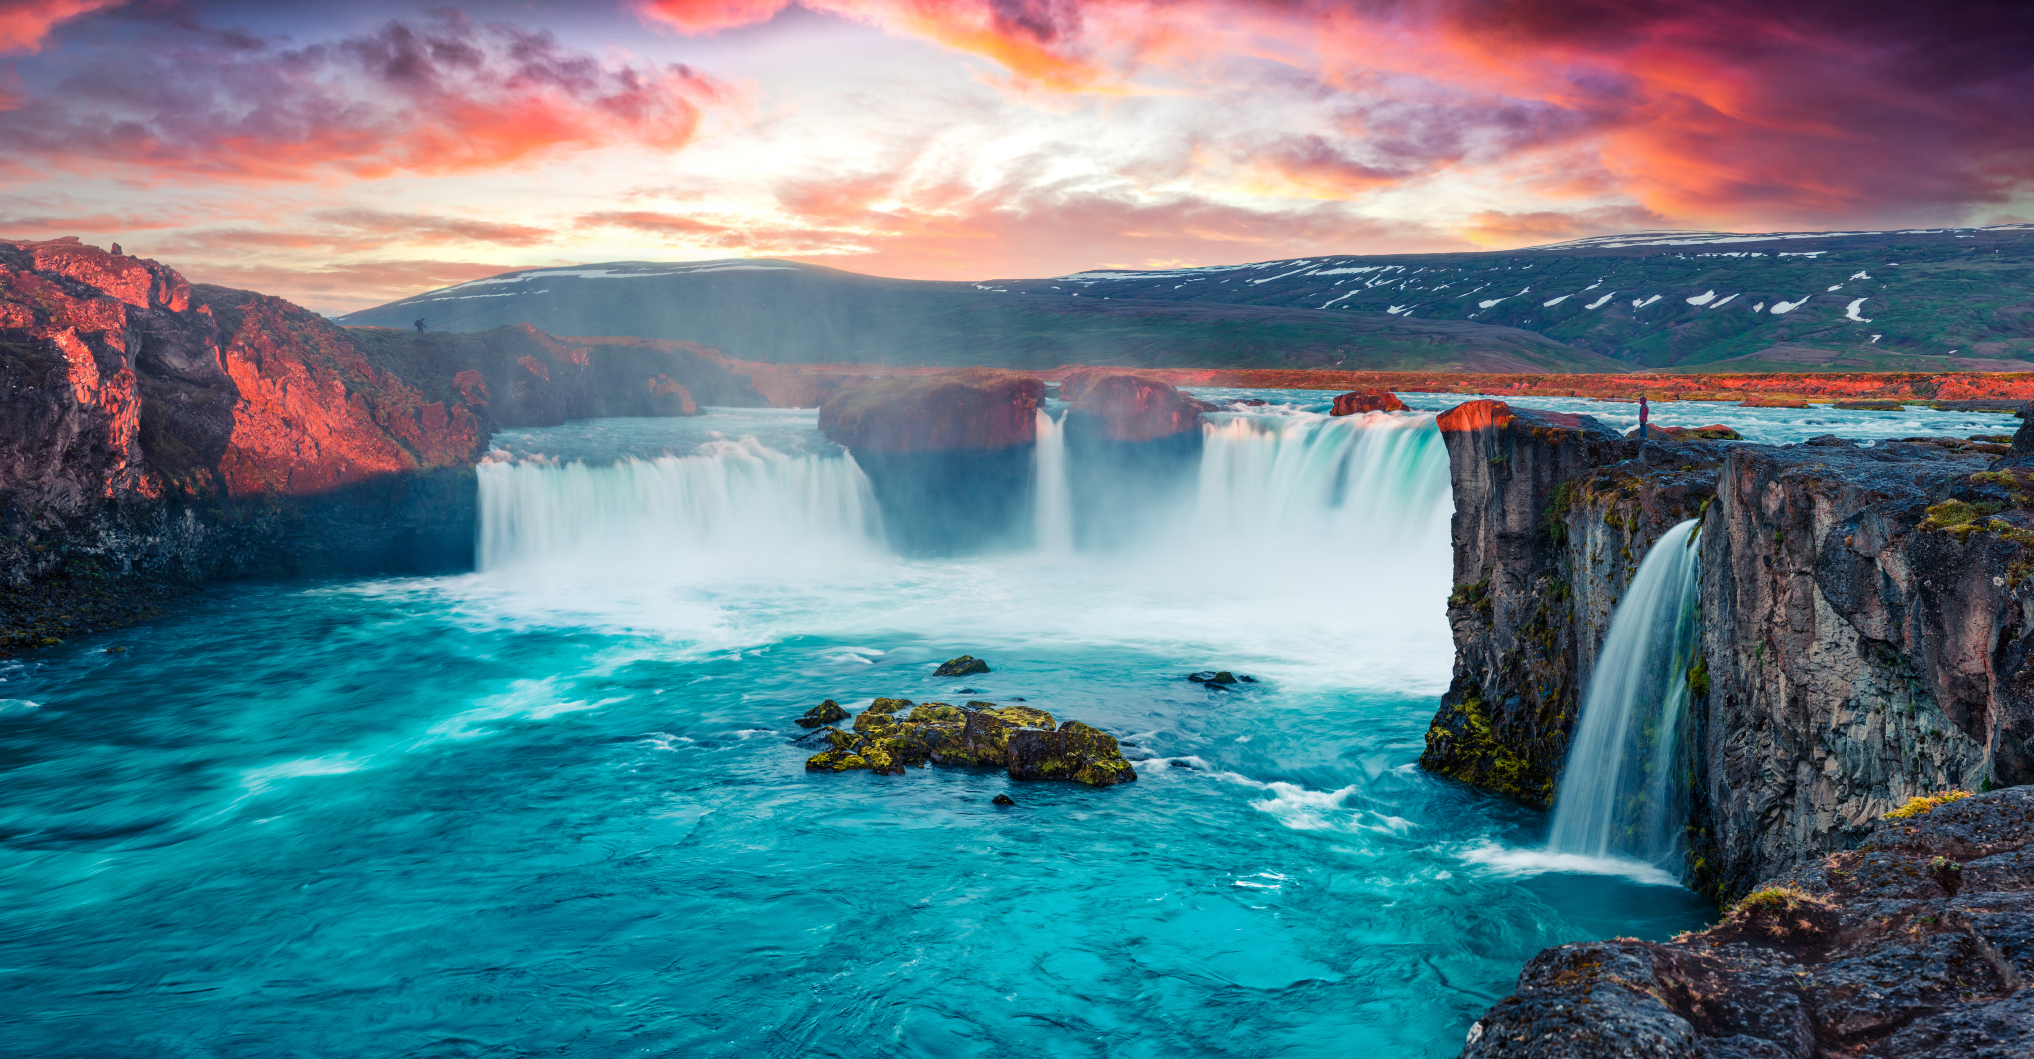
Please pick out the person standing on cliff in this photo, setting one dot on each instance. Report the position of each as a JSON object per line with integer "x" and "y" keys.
{"x": 1645, "y": 413}
{"x": 420, "y": 326}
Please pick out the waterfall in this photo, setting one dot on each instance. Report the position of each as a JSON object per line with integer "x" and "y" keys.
{"x": 731, "y": 503}
{"x": 1621, "y": 794}
{"x": 1373, "y": 484}
{"x": 1053, "y": 507}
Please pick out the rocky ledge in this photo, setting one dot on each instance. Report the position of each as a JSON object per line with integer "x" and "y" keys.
{"x": 1919, "y": 944}
{"x": 885, "y": 739}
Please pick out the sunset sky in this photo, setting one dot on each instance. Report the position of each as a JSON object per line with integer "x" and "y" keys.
{"x": 344, "y": 155}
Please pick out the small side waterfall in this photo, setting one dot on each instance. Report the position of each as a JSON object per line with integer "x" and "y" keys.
{"x": 1053, "y": 506}
{"x": 1621, "y": 793}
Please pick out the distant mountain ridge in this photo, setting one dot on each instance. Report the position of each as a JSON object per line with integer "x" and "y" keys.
{"x": 1906, "y": 300}
{"x": 792, "y": 312}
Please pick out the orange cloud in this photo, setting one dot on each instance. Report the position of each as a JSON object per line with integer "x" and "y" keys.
{"x": 445, "y": 97}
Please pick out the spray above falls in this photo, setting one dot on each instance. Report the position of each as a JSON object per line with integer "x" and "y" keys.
{"x": 1622, "y": 793}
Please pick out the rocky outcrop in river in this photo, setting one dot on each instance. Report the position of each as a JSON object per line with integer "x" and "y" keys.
{"x": 895, "y": 734}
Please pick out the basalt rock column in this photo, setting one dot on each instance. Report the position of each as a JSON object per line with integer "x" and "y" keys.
{"x": 949, "y": 455}
{"x": 1134, "y": 444}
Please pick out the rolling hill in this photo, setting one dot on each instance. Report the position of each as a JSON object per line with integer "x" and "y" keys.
{"x": 1917, "y": 300}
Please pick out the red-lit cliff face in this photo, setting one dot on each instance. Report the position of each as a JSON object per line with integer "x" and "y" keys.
{"x": 149, "y": 425}
{"x": 121, "y": 382}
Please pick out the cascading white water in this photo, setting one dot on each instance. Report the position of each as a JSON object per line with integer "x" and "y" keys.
{"x": 1621, "y": 794}
{"x": 731, "y": 502}
{"x": 1370, "y": 484}
{"x": 1304, "y": 532}
{"x": 1053, "y": 508}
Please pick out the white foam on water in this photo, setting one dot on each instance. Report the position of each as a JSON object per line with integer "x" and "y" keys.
{"x": 1505, "y": 860}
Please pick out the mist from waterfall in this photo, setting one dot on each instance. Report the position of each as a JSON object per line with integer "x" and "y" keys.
{"x": 1622, "y": 792}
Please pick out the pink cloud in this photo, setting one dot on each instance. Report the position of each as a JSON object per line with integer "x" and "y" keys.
{"x": 447, "y": 96}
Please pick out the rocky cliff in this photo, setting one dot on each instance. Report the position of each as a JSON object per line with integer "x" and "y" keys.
{"x": 1862, "y": 627}
{"x": 1552, "y": 514}
{"x": 1863, "y": 643}
{"x": 153, "y": 428}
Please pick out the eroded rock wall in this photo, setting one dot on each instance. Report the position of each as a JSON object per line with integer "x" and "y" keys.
{"x": 1553, "y": 513}
{"x": 1858, "y": 655}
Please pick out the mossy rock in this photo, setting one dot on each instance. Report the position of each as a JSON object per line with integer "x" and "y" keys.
{"x": 908, "y": 747}
{"x": 840, "y": 740}
{"x": 1024, "y": 716}
{"x": 881, "y": 761}
{"x": 826, "y": 712}
{"x": 1078, "y": 752}
{"x": 965, "y": 665}
{"x": 936, "y": 711}
{"x": 835, "y": 761}
{"x": 983, "y": 740}
{"x": 1462, "y": 744}
{"x": 870, "y": 722}
{"x": 889, "y": 705}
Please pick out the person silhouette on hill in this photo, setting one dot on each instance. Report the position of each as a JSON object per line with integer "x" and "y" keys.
{"x": 1645, "y": 412}
{"x": 420, "y": 326}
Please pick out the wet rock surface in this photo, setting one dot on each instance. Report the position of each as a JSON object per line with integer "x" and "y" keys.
{"x": 894, "y": 734}
{"x": 1862, "y": 952}
{"x": 828, "y": 712}
{"x": 965, "y": 665}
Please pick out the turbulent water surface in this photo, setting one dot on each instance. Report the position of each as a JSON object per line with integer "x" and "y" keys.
{"x": 555, "y": 806}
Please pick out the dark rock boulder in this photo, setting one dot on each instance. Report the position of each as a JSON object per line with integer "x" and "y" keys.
{"x": 1864, "y": 952}
{"x": 828, "y": 712}
{"x": 965, "y": 665}
{"x": 1357, "y": 403}
{"x": 1077, "y": 752}
{"x": 1003, "y": 799}
{"x": 886, "y": 740}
